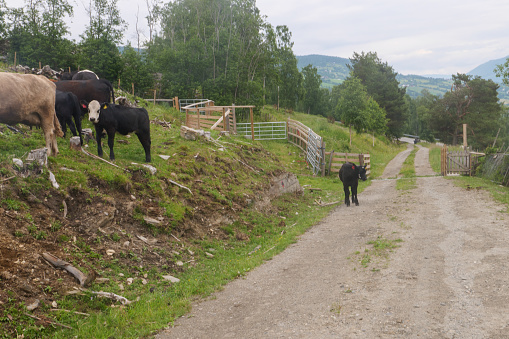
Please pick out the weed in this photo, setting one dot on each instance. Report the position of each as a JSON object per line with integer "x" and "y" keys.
{"x": 55, "y": 226}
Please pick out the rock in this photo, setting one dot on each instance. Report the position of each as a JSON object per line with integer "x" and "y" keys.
{"x": 18, "y": 163}
{"x": 210, "y": 255}
{"x": 144, "y": 281}
{"x": 152, "y": 221}
{"x": 150, "y": 168}
{"x": 110, "y": 252}
{"x": 75, "y": 143}
{"x": 180, "y": 263}
{"x": 33, "y": 305}
{"x": 171, "y": 279}
{"x": 164, "y": 157}
{"x": 121, "y": 287}
{"x": 54, "y": 304}
{"x": 193, "y": 134}
{"x": 39, "y": 155}
{"x": 130, "y": 281}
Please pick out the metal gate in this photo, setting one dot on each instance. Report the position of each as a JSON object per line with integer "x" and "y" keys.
{"x": 315, "y": 151}
{"x": 263, "y": 130}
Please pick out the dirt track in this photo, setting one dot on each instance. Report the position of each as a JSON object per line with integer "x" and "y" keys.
{"x": 448, "y": 279}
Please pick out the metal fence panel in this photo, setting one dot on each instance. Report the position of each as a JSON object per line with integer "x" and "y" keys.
{"x": 314, "y": 151}
{"x": 263, "y": 130}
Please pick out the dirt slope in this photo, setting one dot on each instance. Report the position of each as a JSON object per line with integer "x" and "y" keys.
{"x": 448, "y": 278}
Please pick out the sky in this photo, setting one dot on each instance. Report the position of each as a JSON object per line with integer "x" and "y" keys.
{"x": 414, "y": 37}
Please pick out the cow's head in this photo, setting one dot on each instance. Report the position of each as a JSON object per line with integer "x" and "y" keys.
{"x": 362, "y": 173}
{"x": 94, "y": 110}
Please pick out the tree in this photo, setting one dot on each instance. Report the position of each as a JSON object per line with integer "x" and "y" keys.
{"x": 135, "y": 70}
{"x": 313, "y": 96}
{"x": 472, "y": 101}
{"x": 419, "y": 119}
{"x": 98, "y": 49}
{"x": 381, "y": 84}
{"x": 357, "y": 109}
{"x": 37, "y": 33}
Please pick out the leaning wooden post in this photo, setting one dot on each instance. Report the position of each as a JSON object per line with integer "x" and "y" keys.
{"x": 224, "y": 120}
{"x": 252, "y": 122}
{"x": 132, "y": 86}
{"x": 15, "y": 56}
{"x": 155, "y": 97}
{"x": 176, "y": 103}
{"x": 198, "y": 117}
{"x": 330, "y": 161}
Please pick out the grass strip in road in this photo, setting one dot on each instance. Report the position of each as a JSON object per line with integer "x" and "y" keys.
{"x": 407, "y": 172}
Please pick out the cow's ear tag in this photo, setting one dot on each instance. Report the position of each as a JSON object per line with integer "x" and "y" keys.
{"x": 105, "y": 106}
{"x": 84, "y": 106}
{"x": 353, "y": 167}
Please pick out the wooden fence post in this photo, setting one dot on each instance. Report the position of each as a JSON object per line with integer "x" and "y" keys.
{"x": 330, "y": 160}
{"x": 154, "y": 97}
{"x": 132, "y": 86}
{"x": 322, "y": 154}
{"x": 252, "y": 123}
{"x": 176, "y": 103}
{"x": 224, "y": 120}
{"x": 234, "y": 120}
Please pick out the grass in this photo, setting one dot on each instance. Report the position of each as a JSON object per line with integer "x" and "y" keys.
{"x": 407, "y": 172}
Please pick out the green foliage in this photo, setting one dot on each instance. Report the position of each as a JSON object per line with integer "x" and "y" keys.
{"x": 381, "y": 84}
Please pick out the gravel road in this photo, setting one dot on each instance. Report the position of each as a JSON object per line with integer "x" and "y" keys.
{"x": 447, "y": 279}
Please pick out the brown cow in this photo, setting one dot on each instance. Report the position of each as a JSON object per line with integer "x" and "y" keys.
{"x": 30, "y": 99}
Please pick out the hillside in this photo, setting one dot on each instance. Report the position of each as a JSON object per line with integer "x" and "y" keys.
{"x": 333, "y": 71}
{"x": 201, "y": 219}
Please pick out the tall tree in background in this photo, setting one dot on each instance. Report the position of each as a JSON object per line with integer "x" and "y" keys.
{"x": 420, "y": 115}
{"x": 312, "y": 102}
{"x": 37, "y": 33}
{"x": 357, "y": 109}
{"x": 98, "y": 48}
{"x": 472, "y": 101}
{"x": 135, "y": 70}
{"x": 3, "y": 27}
{"x": 380, "y": 81}
{"x": 211, "y": 49}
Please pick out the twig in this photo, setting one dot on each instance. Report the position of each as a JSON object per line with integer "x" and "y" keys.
{"x": 60, "y": 309}
{"x": 6, "y": 179}
{"x": 48, "y": 321}
{"x": 269, "y": 249}
{"x": 179, "y": 185}
{"x": 175, "y": 237}
{"x": 330, "y": 203}
{"x": 106, "y": 161}
{"x": 65, "y": 208}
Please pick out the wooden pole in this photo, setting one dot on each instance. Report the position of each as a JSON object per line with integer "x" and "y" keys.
{"x": 330, "y": 160}
{"x": 224, "y": 120}
{"x": 465, "y": 135}
{"x": 234, "y": 120}
{"x": 322, "y": 154}
{"x": 198, "y": 116}
{"x": 118, "y": 83}
{"x": 40, "y": 67}
{"x": 154, "y": 97}
{"x": 176, "y": 103}
{"x": 252, "y": 122}
{"x": 132, "y": 86}
{"x": 15, "y": 56}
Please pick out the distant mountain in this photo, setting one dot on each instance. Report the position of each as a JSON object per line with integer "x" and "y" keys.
{"x": 334, "y": 70}
{"x": 485, "y": 70}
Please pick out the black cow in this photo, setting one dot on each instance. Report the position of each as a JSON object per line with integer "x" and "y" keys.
{"x": 115, "y": 118}
{"x": 66, "y": 75}
{"x": 85, "y": 75}
{"x": 67, "y": 107}
{"x": 350, "y": 174}
{"x": 88, "y": 90}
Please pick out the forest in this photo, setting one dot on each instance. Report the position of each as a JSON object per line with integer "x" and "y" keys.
{"x": 227, "y": 51}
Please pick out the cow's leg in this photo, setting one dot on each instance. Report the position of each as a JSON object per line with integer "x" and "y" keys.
{"x": 354, "y": 194}
{"x": 77, "y": 120}
{"x": 347, "y": 194}
{"x": 71, "y": 126}
{"x": 98, "y": 136}
{"x": 111, "y": 141}
{"x": 61, "y": 120}
{"x": 145, "y": 141}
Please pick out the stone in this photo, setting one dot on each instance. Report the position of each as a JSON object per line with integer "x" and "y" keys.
{"x": 171, "y": 278}
{"x": 75, "y": 143}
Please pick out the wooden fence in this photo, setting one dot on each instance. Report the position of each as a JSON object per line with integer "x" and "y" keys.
{"x": 330, "y": 162}
{"x": 334, "y": 161}
{"x": 458, "y": 161}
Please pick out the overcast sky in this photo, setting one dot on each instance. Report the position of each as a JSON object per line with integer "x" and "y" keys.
{"x": 414, "y": 37}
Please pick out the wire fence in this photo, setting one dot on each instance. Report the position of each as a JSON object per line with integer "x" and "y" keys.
{"x": 263, "y": 130}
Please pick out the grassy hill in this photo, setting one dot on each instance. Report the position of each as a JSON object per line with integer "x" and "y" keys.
{"x": 205, "y": 217}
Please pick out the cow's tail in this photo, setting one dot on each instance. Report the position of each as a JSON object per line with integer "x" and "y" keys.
{"x": 58, "y": 128}
{"x": 110, "y": 87}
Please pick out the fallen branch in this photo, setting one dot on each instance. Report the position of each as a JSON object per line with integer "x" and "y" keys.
{"x": 179, "y": 185}
{"x": 6, "y": 179}
{"x": 328, "y": 204}
{"x": 112, "y": 296}
{"x": 48, "y": 321}
{"x": 106, "y": 161}
{"x": 65, "y": 208}
{"x": 58, "y": 263}
{"x": 175, "y": 237}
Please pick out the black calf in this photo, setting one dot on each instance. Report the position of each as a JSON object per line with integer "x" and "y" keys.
{"x": 350, "y": 174}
